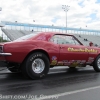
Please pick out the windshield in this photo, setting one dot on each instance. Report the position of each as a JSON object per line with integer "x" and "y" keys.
{"x": 26, "y": 37}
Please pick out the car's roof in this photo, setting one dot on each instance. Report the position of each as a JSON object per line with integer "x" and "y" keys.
{"x": 53, "y": 33}
{"x": 45, "y": 36}
{"x": 58, "y": 33}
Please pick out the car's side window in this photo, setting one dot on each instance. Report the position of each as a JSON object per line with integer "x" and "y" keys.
{"x": 54, "y": 39}
{"x": 62, "y": 39}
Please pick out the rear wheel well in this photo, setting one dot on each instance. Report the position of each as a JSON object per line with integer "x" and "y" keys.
{"x": 38, "y": 50}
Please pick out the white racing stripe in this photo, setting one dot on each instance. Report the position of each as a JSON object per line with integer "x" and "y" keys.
{"x": 55, "y": 96}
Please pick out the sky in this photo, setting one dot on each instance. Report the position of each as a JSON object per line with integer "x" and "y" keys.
{"x": 81, "y": 13}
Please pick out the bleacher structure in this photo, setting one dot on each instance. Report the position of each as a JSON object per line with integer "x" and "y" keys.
{"x": 15, "y": 30}
{"x": 14, "y": 34}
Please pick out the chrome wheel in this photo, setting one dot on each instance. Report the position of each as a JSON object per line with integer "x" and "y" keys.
{"x": 98, "y": 63}
{"x": 38, "y": 65}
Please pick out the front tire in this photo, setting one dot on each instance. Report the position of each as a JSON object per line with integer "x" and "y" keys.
{"x": 36, "y": 65}
{"x": 96, "y": 64}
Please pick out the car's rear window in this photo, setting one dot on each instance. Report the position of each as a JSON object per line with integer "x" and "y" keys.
{"x": 26, "y": 37}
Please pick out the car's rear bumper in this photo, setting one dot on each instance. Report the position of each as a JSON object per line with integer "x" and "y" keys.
{"x": 3, "y": 55}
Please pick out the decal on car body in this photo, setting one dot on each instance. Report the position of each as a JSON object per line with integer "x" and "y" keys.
{"x": 90, "y": 60}
{"x": 71, "y": 62}
{"x": 54, "y": 60}
{"x": 82, "y": 50}
{"x": 60, "y": 63}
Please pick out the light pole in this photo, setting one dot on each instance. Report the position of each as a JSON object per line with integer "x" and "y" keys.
{"x": 66, "y": 8}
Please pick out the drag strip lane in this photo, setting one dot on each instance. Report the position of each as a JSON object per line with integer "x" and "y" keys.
{"x": 55, "y": 82}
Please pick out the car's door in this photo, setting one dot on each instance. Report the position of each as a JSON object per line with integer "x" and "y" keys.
{"x": 71, "y": 50}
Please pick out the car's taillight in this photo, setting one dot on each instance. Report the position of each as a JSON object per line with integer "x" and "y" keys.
{"x": 1, "y": 49}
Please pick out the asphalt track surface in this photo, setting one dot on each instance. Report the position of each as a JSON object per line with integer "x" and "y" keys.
{"x": 60, "y": 84}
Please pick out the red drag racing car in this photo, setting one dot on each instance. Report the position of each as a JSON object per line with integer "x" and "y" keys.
{"x": 35, "y": 53}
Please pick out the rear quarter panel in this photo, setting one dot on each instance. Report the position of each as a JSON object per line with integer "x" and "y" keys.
{"x": 20, "y": 50}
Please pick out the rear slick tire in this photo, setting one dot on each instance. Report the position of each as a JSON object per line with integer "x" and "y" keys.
{"x": 36, "y": 66}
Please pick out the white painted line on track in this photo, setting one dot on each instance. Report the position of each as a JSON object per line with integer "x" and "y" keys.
{"x": 55, "y": 96}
